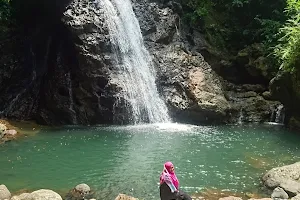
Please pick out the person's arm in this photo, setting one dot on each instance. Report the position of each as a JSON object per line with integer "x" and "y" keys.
{"x": 169, "y": 182}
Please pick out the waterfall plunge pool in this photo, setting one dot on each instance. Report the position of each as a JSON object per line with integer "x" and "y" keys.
{"x": 129, "y": 159}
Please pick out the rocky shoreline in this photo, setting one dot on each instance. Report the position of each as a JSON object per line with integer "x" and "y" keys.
{"x": 284, "y": 181}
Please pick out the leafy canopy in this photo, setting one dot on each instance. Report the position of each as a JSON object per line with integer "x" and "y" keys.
{"x": 288, "y": 49}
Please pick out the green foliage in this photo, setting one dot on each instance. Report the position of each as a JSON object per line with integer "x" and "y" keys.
{"x": 239, "y": 3}
{"x": 237, "y": 23}
{"x": 288, "y": 49}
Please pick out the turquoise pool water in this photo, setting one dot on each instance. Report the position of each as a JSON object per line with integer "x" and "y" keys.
{"x": 129, "y": 159}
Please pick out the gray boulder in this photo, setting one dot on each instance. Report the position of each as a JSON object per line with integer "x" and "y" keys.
{"x": 279, "y": 193}
{"x": 81, "y": 191}
{"x": 286, "y": 177}
{"x": 43, "y": 194}
{"x": 4, "y": 192}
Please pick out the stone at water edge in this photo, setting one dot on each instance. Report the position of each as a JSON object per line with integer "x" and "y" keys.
{"x": 81, "y": 191}
{"x": 11, "y": 132}
{"x": 279, "y": 193}
{"x": 125, "y": 197}
{"x": 231, "y": 198}
{"x": 286, "y": 177}
{"x": 45, "y": 194}
{"x": 83, "y": 188}
{"x": 4, "y": 192}
{"x": 3, "y": 128}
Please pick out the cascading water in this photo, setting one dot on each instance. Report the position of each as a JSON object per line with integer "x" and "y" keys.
{"x": 136, "y": 73}
{"x": 241, "y": 117}
{"x": 71, "y": 100}
{"x": 278, "y": 114}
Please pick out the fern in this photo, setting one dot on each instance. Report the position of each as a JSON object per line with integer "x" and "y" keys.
{"x": 288, "y": 49}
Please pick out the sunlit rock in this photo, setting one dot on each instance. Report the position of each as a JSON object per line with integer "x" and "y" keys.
{"x": 81, "y": 191}
{"x": 124, "y": 197}
{"x": 286, "y": 177}
{"x": 4, "y": 192}
{"x": 231, "y": 198}
{"x": 3, "y": 129}
{"x": 278, "y": 194}
{"x": 24, "y": 196}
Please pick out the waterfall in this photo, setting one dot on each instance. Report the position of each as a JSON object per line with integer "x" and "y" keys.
{"x": 241, "y": 116}
{"x": 135, "y": 70}
{"x": 278, "y": 114}
{"x": 71, "y": 100}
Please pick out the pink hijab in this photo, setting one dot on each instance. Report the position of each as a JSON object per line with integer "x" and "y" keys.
{"x": 168, "y": 176}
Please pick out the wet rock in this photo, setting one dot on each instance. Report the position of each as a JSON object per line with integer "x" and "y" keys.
{"x": 279, "y": 194}
{"x": 286, "y": 177}
{"x": 248, "y": 104}
{"x": 81, "y": 191}
{"x": 285, "y": 87}
{"x": 83, "y": 188}
{"x": 3, "y": 129}
{"x": 4, "y": 193}
{"x": 11, "y": 133}
{"x": 294, "y": 122}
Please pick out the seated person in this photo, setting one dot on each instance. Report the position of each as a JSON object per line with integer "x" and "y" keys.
{"x": 169, "y": 185}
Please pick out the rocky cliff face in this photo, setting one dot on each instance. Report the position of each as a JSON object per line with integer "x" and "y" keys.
{"x": 285, "y": 87}
{"x": 65, "y": 74}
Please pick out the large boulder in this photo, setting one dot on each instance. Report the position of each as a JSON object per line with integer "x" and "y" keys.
{"x": 279, "y": 194}
{"x": 43, "y": 194}
{"x": 191, "y": 88}
{"x": 4, "y": 193}
{"x": 285, "y": 87}
{"x": 286, "y": 177}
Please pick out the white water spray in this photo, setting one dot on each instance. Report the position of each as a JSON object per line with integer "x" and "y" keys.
{"x": 136, "y": 73}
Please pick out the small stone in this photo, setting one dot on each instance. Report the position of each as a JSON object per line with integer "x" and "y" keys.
{"x": 279, "y": 193}
{"x": 83, "y": 188}
{"x": 124, "y": 197}
{"x": 11, "y": 132}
